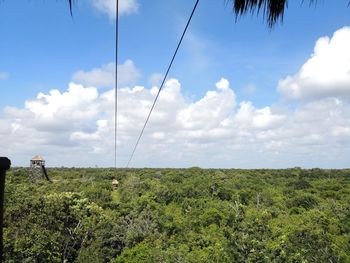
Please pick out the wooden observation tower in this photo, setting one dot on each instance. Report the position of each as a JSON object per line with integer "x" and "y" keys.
{"x": 37, "y": 168}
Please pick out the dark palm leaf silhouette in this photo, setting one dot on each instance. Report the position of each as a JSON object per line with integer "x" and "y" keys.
{"x": 272, "y": 10}
{"x": 70, "y": 7}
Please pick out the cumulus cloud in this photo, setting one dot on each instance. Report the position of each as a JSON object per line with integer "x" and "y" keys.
{"x": 156, "y": 79}
{"x": 126, "y": 7}
{"x": 249, "y": 89}
{"x": 209, "y": 111}
{"x": 104, "y": 76}
{"x": 3, "y": 75}
{"x": 250, "y": 117}
{"x": 75, "y": 128}
{"x": 326, "y": 73}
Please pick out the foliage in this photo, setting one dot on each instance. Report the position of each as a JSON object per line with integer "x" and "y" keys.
{"x": 178, "y": 215}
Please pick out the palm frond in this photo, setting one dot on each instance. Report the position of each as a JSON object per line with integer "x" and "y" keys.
{"x": 273, "y": 10}
{"x": 71, "y": 7}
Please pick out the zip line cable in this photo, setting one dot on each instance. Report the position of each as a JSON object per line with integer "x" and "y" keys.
{"x": 161, "y": 86}
{"x": 116, "y": 83}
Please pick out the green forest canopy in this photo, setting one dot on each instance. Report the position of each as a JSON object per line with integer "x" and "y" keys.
{"x": 178, "y": 215}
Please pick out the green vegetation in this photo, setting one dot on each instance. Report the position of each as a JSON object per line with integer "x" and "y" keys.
{"x": 178, "y": 215}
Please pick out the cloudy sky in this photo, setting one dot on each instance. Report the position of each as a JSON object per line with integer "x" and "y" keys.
{"x": 239, "y": 94}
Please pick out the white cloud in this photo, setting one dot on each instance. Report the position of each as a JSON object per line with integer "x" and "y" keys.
{"x": 156, "y": 79}
{"x": 104, "y": 76}
{"x": 326, "y": 73}
{"x": 126, "y": 7}
{"x": 209, "y": 111}
{"x": 250, "y": 117}
{"x": 249, "y": 89}
{"x": 3, "y": 75}
{"x": 75, "y": 128}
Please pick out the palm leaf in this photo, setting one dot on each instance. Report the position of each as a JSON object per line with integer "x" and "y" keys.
{"x": 273, "y": 10}
{"x": 70, "y": 7}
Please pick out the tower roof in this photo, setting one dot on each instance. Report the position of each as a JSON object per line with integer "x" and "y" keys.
{"x": 37, "y": 158}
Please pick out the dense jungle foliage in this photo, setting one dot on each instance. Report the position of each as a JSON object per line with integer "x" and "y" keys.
{"x": 178, "y": 215}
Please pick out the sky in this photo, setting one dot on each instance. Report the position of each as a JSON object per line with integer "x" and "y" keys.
{"x": 239, "y": 94}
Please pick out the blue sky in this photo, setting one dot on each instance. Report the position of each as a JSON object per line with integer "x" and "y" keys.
{"x": 42, "y": 48}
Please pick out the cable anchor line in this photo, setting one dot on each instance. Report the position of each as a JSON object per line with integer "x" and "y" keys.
{"x": 163, "y": 82}
{"x": 116, "y": 83}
